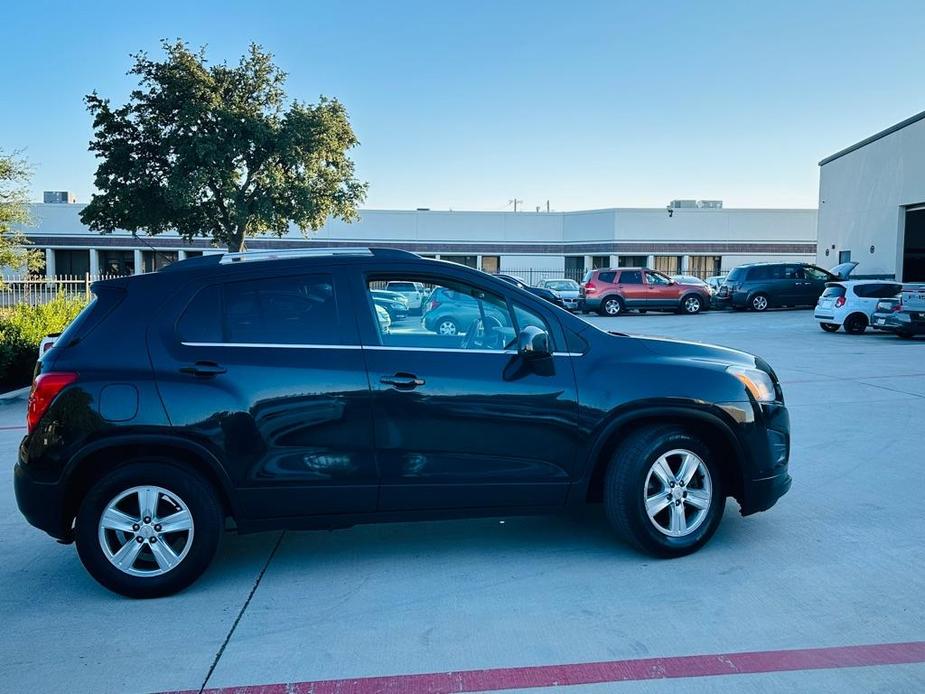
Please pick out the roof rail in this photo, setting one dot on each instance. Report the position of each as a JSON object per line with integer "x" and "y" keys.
{"x": 286, "y": 254}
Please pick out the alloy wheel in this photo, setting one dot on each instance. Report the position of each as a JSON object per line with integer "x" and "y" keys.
{"x": 447, "y": 327}
{"x": 678, "y": 492}
{"x": 146, "y": 531}
{"x": 760, "y": 302}
{"x": 692, "y": 304}
{"x": 612, "y": 307}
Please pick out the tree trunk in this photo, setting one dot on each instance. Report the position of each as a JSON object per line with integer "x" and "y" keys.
{"x": 236, "y": 242}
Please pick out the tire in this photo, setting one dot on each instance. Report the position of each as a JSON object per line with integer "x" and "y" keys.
{"x": 691, "y": 304}
{"x": 153, "y": 575}
{"x": 629, "y": 481}
{"x": 856, "y": 324}
{"x": 759, "y": 303}
{"x": 829, "y": 327}
{"x": 643, "y": 311}
{"x": 447, "y": 326}
{"x": 611, "y": 306}
{"x": 904, "y": 335}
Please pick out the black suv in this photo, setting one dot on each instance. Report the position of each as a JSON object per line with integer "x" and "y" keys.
{"x": 257, "y": 391}
{"x": 760, "y": 286}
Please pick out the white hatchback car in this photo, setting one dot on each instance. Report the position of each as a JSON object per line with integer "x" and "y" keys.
{"x": 851, "y": 303}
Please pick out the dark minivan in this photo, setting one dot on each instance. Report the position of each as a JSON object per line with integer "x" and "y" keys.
{"x": 760, "y": 286}
{"x": 257, "y": 391}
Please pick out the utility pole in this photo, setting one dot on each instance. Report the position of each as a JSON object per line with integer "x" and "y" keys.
{"x": 547, "y": 205}
{"x": 516, "y": 202}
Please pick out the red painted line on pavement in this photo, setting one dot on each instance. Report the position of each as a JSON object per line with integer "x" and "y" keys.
{"x": 498, "y": 679}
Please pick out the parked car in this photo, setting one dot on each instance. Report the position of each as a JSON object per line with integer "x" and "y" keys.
{"x": 568, "y": 290}
{"x": 903, "y": 315}
{"x": 760, "y": 286}
{"x": 692, "y": 280}
{"x": 610, "y": 292}
{"x": 394, "y": 303}
{"x": 385, "y": 320}
{"x": 852, "y": 304}
{"x": 450, "y": 312}
{"x": 224, "y": 409}
{"x": 414, "y": 293}
{"x": 715, "y": 282}
{"x": 47, "y": 343}
{"x": 549, "y": 295}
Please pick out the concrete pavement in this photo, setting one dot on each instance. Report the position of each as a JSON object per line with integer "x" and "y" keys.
{"x": 836, "y": 563}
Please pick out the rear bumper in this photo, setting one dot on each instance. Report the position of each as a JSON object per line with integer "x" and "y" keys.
{"x": 41, "y": 503}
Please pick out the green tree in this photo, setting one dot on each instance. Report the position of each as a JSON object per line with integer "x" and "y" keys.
{"x": 14, "y": 210}
{"x": 213, "y": 151}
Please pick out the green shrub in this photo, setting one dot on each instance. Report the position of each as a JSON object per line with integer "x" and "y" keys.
{"x": 22, "y": 329}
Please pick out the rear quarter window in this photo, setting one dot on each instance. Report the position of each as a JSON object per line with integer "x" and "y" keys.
{"x": 606, "y": 277}
{"x": 833, "y": 292}
{"x": 202, "y": 319}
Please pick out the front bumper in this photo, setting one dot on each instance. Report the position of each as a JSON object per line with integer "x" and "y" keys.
{"x": 767, "y": 476}
{"x": 571, "y": 304}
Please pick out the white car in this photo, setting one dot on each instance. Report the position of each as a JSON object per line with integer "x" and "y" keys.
{"x": 385, "y": 320}
{"x": 412, "y": 291}
{"x": 851, "y": 303}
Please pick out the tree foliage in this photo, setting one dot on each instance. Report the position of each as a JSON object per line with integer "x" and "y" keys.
{"x": 14, "y": 210}
{"x": 213, "y": 151}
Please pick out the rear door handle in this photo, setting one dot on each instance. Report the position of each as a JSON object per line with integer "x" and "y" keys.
{"x": 204, "y": 368}
{"x": 402, "y": 381}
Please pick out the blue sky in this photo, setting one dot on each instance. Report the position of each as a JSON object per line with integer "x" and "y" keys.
{"x": 465, "y": 105}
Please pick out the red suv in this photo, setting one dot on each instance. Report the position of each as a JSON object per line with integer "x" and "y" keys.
{"x": 611, "y": 292}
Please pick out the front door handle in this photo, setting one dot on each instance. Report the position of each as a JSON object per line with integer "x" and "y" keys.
{"x": 402, "y": 381}
{"x": 204, "y": 368}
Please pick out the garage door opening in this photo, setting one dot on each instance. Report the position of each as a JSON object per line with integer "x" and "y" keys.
{"x": 914, "y": 245}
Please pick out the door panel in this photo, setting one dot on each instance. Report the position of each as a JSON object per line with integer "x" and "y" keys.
{"x": 633, "y": 288}
{"x": 661, "y": 293}
{"x": 290, "y": 416}
{"x": 463, "y": 421}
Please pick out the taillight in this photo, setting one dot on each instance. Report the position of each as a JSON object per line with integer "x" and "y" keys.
{"x": 590, "y": 288}
{"x": 44, "y": 390}
{"x": 47, "y": 346}
{"x": 839, "y": 302}
{"x": 897, "y": 308}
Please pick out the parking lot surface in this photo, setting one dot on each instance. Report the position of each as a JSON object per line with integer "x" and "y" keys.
{"x": 837, "y": 563}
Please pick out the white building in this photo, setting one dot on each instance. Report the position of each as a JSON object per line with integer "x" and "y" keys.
{"x": 703, "y": 241}
{"x": 872, "y": 203}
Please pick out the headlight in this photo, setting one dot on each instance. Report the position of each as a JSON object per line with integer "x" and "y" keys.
{"x": 758, "y": 382}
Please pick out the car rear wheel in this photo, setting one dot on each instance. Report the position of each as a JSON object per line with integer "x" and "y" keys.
{"x": 664, "y": 492}
{"x": 904, "y": 335}
{"x": 759, "y": 303}
{"x": 829, "y": 327}
{"x": 691, "y": 304}
{"x": 611, "y": 306}
{"x": 148, "y": 529}
{"x": 447, "y": 326}
{"x": 856, "y": 324}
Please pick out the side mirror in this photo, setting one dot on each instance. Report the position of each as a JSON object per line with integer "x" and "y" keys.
{"x": 533, "y": 342}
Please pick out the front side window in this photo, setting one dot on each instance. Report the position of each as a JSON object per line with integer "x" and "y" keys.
{"x": 657, "y": 278}
{"x": 299, "y": 310}
{"x": 815, "y": 273}
{"x": 455, "y": 315}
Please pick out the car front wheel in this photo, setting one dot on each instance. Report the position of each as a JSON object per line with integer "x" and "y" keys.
{"x": 691, "y": 304}
{"x": 664, "y": 492}
{"x": 148, "y": 529}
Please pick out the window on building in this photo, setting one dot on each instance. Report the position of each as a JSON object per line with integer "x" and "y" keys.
{"x": 633, "y": 260}
{"x": 193, "y": 254}
{"x": 600, "y": 261}
{"x": 669, "y": 264}
{"x": 467, "y": 260}
{"x": 72, "y": 263}
{"x": 152, "y": 261}
{"x": 844, "y": 257}
{"x": 704, "y": 266}
{"x": 491, "y": 264}
{"x": 117, "y": 262}
{"x": 574, "y": 267}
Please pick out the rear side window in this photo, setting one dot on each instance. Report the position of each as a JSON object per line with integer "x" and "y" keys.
{"x": 766, "y": 272}
{"x": 606, "y": 277}
{"x": 105, "y": 299}
{"x": 833, "y": 292}
{"x": 793, "y": 272}
{"x": 631, "y": 277}
{"x": 297, "y": 310}
{"x": 736, "y": 275}
{"x": 877, "y": 291}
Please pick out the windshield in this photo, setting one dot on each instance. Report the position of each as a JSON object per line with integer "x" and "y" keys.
{"x": 562, "y": 285}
